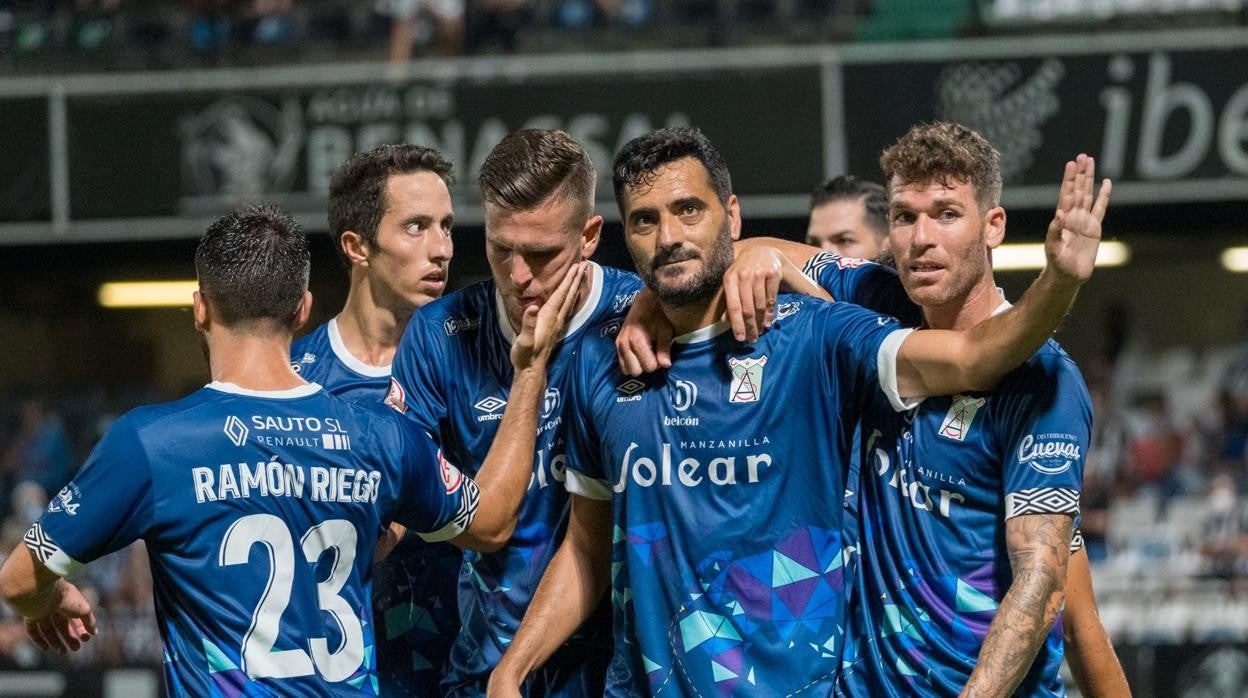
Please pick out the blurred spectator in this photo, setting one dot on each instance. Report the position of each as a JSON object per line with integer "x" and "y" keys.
{"x": 39, "y": 451}
{"x": 1224, "y": 535}
{"x": 421, "y": 22}
{"x": 497, "y": 21}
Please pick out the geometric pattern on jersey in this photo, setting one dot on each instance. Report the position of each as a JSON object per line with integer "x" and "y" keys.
{"x": 1042, "y": 500}
{"x": 454, "y": 368}
{"x": 934, "y": 504}
{"x": 414, "y": 589}
{"x": 729, "y": 567}
{"x": 791, "y": 587}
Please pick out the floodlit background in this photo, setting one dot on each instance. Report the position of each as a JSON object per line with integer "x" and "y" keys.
{"x": 129, "y": 124}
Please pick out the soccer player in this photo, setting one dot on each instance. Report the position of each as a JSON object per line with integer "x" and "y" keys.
{"x": 968, "y": 503}
{"x": 849, "y": 216}
{"x": 260, "y": 497}
{"x": 708, "y": 496}
{"x": 390, "y": 214}
{"x": 451, "y": 374}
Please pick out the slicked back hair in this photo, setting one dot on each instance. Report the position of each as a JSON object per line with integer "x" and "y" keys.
{"x": 849, "y": 188}
{"x": 531, "y": 167}
{"x": 636, "y": 163}
{"x": 943, "y": 151}
{"x": 253, "y": 266}
{"x": 357, "y": 191}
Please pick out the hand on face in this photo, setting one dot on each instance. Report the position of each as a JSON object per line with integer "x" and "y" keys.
{"x": 541, "y": 330}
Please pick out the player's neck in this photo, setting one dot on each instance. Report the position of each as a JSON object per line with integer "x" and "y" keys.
{"x": 254, "y": 362}
{"x": 964, "y": 312}
{"x": 370, "y": 331}
{"x": 695, "y": 316}
{"x": 372, "y": 321}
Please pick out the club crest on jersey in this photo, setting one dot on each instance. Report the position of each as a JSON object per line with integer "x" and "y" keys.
{"x": 747, "y": 379}
{"x": 395, "y": 397}
{"x": 66, "y": 500}
{"x": 957, "y": 422}
{"x": 452, "y": 479}
{"x": 236, "y": 430}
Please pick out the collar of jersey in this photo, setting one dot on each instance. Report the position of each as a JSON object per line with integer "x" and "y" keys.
{"x": 577, "y": 322}
{"x": 298, "y": 391}
{"x": 346, "y": 357}
{"x": 1005, "y": 305}
{"x": 702, "y": 334}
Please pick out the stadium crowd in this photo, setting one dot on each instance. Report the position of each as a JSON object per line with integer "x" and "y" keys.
{"x": 140, "y": 34}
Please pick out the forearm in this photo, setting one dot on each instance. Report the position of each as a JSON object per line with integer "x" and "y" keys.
{"x": 1016, "y": 634}
{"x": 28, "y": 586}
{"x": 1089, "y": 651}
{"x": 1003, "y": 342}
{"x": 571, "y": 588}
{"x": 504, "y": 475}
{"x": 1039, "y": 545}
{"x": 797, "y": 253}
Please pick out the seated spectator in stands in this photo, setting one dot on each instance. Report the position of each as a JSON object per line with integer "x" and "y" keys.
{"x": 1224, "y": 535}
{"x": 497, "y": 20}
{"x": 1155, "y": 447}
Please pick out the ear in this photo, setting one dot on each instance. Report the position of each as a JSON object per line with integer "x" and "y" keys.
{"x": 591, "y": 234}
{"x": 733, "y": 207}
{"x": 200, "y": 312}
{"x": 305, "y": 310}
{"x": 994, "y": 227}
{"x": 355, "y": 247}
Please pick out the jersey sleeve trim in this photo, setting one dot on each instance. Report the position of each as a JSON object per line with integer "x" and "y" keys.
{"x": 814, "y": 266}
{"x": 470, "y": 497}
{"x": 49, "y": 553}
{"x": 887, "y": 359}
{"x": 1042, "y": 500}
{"x": 1076, "y": 543}
{"x": 588, "y": 487}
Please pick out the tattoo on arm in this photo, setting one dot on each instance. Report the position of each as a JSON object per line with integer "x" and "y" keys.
{"x": 1039, "y": 546}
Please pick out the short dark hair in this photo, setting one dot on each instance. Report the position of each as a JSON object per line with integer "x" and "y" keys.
{"x": 638, "y": 160}
{"x": 532, "y": 166}
{"x": 943, "y": 150}
{"x": 357, "y": 191}
{"x": 849, "y": 188}
{"x": 253, "y": 266}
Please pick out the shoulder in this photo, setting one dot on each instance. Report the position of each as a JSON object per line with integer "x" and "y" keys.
{"x": 461, "y": 312}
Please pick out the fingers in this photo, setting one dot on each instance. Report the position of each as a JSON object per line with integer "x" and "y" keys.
{"x": 69, "y": 631}
{"x": 760, "y": 306}
{"x": 1081, "y": 182}
{"x": 1102, "y": 200}
{"x": 736, "y": 316}
{"x": 34, "y": 631}
{"x": 771, "y": 290}
{"x": 663, "y": 336}
{"x": 632, "y": 347}
{"x": 1066, "y": 195}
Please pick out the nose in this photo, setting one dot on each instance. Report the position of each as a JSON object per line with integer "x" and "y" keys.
{"x": 441, "y": 248}
{"x": 924, "y": 234}
{"x": 671, "y": 233}
{"x": 519, "y": 271}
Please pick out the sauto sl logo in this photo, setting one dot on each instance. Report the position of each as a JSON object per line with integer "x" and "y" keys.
{"x": 747, "y": 379}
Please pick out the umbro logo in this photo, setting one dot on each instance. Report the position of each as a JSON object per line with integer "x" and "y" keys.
{"x": 629, "y": 390}
{"x": 236, "y": 430}
{"x": 492, "y": 408}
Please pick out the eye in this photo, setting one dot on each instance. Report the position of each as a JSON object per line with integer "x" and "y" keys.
{"x": 689, "y": 209}
{"x": 903, "y": 217}
{"x": 949, "y": 215}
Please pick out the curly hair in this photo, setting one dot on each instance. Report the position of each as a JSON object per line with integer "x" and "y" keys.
{"x": 944, "y": 151}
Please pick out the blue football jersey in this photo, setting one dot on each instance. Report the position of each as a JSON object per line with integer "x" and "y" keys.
{"x": 414, "y": 591}
{"x": 727, "y": 477}
{"x": 260, "y": 511}
{"x": 862, "y": 282}
{"x": 453, "y": 375}
{"x": 938, "y": 484}
{"x": 321, "y": 357}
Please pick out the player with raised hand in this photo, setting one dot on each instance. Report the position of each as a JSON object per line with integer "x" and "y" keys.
{"x": 260, "y": 497}
{"x": 721, "y": 477}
